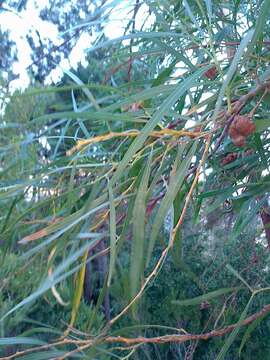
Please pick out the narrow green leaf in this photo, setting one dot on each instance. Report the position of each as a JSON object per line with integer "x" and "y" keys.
{"x": 209, "y": 9}
{"x": 249, "y": 330}
{"x": 261, "y": 151}
{"x": 77, "y": 296}
{"x": 260, "y": 23}
{"x": 67, "y": 224}
{"x": 86, "y": 115}
{"x": 159, "y": 90}
{"x": 49, "y": 355}
{"x": 81, "y": 124}
{"x": 61, "y": 138}
{"x": 232, "y": 69}
{"x": 139, "y": 213}
{"x": 234, "y": 333}
{"x": 112, "y": 234}
{"x": 56, "y": 89}
{"x": 20, "y": 340}
{"x": 190, "y": 14}
{"x": 205, "y": 297}
{"x": 177, "y": 248}
{"x": 262, "y": 124}
{"x": 247, "y": 214}
{"x": 163, "y": 76}
{"x": 86, "y": 91}
{"x": 236, "y": 274}
{"x": 181, "y": 166}
{"x": 138, "y": 35}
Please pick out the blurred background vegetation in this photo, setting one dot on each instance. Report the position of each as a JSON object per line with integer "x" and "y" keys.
{"x": 134, "y": 192}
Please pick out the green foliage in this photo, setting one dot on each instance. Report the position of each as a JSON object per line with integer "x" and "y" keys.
{"x": 125, "y": 179}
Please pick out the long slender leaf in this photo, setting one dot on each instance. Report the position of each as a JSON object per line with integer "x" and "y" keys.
{"x": 112, "y": 235}
{"x": 249, "y": 330}
{"x": 20, "y": 340}
{"x": 176, "y": 181}
{"x": 78, "y": 290}
{"x": 138, "y": 243}
{"x": 205, "y": 297}
{"x": 232, "y": 69}
{"x": 234, "y": 333}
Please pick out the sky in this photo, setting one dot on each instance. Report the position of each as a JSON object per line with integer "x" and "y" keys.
{"x": 28, "y": 20}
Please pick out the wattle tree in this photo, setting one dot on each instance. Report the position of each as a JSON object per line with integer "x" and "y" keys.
{"x": 135, "y": 219}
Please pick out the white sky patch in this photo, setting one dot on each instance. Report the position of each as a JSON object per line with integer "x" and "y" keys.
{"x": 208, "y": 171}
{"x": 77, "y": 55}
{"x": 78, "y": 52}
{"x": 119, "y": 19}
{"x": 190, "y": 124}
{"x": 143, "y": 17}
{"x": 44, "y": 142}
{"x": 29, "y": 22}
{"x": 265, "y": 172}
{"x": 8, "y": 21}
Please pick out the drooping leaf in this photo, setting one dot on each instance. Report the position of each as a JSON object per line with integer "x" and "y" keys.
{"x": 138, "y": 243}
{"x": 206, "y": 297}
{"x": 178, "y": 176}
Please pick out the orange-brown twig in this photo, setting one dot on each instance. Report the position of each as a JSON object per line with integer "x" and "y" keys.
{"x": 133, "y": 133}
{"x": 180, "y": 338}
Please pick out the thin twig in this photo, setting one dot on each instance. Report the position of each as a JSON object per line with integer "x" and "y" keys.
{"x": 187, "y": 337}
{"x": 177, "y": 338}
{"x": 133, "y": 133}
{"x": 43, "y": 347}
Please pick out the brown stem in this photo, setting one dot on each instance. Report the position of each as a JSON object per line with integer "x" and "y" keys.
{"x": 180, "y": 338}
